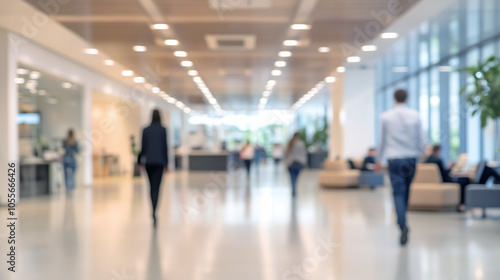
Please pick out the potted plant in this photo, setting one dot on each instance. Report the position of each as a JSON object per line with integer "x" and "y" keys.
{"x": 482, "y": 93}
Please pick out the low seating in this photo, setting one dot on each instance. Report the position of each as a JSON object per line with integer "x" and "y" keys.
{"x": 338, "y": 175}
{"x": 481, "y": 196}
{"x": 429, "y": 193}
{"x": 371, "y": 179}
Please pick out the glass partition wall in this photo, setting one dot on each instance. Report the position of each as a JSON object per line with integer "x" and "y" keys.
{"x": 48, "y": 108}
{"x": 425, "y": 62}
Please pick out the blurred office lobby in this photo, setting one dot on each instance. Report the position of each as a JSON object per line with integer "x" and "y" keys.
{"x": 222, "y": 73}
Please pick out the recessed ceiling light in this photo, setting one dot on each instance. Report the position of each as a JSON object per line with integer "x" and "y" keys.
{"x": 31, "y": 84}
{"x": 34, "y": 75}
{"x": 127, "y": 73}
{"x": 299, "y": 26}
{"x": 171, "y": 100}
{"x": 291, "y": 43}
{"x": 159, "y": 26}
{"x": 186, "y": 63}
{"x": 21, "y": 71}
{"x": 330, "y": 80}
{"x": 271, "y": 83}
{"x": 171, "y": 42}
{"x": 180, "y": 105}
{"x": 285, "y": 54}
{"x": 324, "y": 49}
{"x": 212, "y": 101}
{"x": 139, "y": 48}
{"x": 109, "y": 62}
{"x": 19, "y": 81}
{"x": 354, "y": 59}
{"x": 187, "y": 110}
{"x": 280, "y": 64}
{"x": 139, "y": 80}
{"x": 263, "y": 100}
{"x": 369, "y": 48}
{"x": 180, "y": 53}
{"x": 276, "y": 72}
{"x": 266, "y": 93}
{"x": 156, "y": 90}
{"x": 66, "y": 85}
{"x": 91, "y": 51}
{"x": 193, "y": 73}
{"x": 341, "y": 69}
{"x": 389, "y": 35}
{"x": 197, "y": 79}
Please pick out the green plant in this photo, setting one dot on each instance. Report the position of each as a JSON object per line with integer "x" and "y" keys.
{"x": 320, "y": 136}
{"x": 482, "y": 93}
{"x": 303, "y": 136}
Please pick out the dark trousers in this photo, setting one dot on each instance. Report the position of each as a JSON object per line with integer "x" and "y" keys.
{"x": 401, "y": 172}
{"x": 294, "y": 175}
{"x": 488, "y": 172}
{"x": 463, "y": 182}
{"x": 155, "y": 173}
{"x": 248, "y": 163}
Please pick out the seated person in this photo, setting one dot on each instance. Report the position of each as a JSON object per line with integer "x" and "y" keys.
{"x": 435, "y": 158}
{"x": 484, "y": 173}
{"x": 369, "y": 162}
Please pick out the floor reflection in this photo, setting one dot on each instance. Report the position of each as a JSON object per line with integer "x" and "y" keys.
{"x": 245, "y": 230}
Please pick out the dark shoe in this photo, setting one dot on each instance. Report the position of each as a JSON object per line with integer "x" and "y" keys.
{"x": 404, "y": 236}
{"x": 461, "y": 208}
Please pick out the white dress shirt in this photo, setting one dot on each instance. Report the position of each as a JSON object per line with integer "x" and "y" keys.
{"x": 402, "y": 135}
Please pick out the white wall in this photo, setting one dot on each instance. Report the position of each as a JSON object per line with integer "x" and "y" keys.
{"x": 117, "y": 120}
{"x": 359, "y": 111}
{"x": 47, "y": 61}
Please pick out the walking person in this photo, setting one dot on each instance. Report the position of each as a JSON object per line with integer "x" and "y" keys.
{"x": 247, "y": 154}
{"x": 71, "y": 149}
{"x": 402, "y": 142}
{"x": 277, "y": 154}
{"x": 154, "y": 156}
{"x": 295, "y": 159}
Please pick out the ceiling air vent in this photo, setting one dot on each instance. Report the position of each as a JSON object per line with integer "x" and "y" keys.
{"x": 231, "y": 42}
{"x": 239, "y": 4}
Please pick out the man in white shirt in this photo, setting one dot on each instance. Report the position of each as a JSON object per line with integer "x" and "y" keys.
{"x": 402, "y": 142}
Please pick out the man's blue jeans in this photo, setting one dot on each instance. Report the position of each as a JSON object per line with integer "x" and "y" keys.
{"x": 401, "y": 172}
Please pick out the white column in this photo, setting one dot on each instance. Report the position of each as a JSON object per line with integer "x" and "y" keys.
{"x": 336, "y": 119}
{"x": 8, "y": 110}
{"x": 87, "y": 128}
{"x": 185, "y": 141}
{"x": 359, "y": 108}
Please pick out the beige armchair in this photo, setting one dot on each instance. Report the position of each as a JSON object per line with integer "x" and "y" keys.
{"x": 428, "y": 192}
{"x": 336, "y": 174}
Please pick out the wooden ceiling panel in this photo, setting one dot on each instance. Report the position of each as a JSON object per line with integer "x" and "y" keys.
{"x": 115, "y": 26}
{"x": 89, "y": 7}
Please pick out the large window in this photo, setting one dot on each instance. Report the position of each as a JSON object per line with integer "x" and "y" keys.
{"x": 454, "y": 109}
{"x": 423, "y": 104}
{"x": 435, "y": 103}
{"x": 461, "y": 36}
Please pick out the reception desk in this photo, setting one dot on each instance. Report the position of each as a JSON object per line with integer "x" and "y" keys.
{"x": 205, "y": 161}
{"x": 34, "y": 179}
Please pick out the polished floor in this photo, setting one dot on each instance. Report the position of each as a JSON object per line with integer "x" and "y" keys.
{"x": 219, "y": 226}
